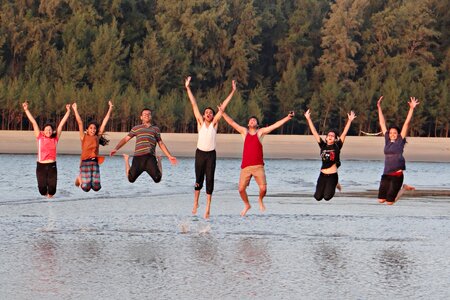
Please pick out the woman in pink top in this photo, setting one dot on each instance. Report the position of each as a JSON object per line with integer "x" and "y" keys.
{"x": 47, "y": 140}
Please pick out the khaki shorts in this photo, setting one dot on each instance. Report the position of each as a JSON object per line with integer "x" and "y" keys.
{"x": 256, "y": 171}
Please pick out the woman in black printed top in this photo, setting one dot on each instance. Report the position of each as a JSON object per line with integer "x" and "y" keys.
{"x": 330, "y": 149}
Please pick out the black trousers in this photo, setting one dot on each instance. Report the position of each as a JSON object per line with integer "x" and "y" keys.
{"x": 46, "y": 177}
{"x": 143, "y": 163}
{"x": 389, "y": 187}
{"x": 326, "y": 186}
{"x": 205, "y": 165}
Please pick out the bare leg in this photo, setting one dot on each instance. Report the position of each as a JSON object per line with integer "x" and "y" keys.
{"x": 196, "y": 196}
{"x": 339, "y": 187}
{"x": 208, "y": 205}
{"x": 126, "y": 158}
{"x": 244, "y": 197}
{"x": 404, "y": 188}
{"x": 262, "y": 193}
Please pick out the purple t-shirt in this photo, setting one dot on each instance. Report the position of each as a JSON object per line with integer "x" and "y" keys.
{"x": 393, "y": 154}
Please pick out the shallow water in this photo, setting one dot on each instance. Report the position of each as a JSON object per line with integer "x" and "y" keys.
{"x": 134, "y": 241}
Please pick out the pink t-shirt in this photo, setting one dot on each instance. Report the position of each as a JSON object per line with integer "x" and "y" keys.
{"x": 46, "y": 147}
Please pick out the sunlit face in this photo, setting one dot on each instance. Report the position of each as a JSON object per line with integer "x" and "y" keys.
{"x": 48, "y": 131}
{"x": 208, "y": 115}
{"x": 252, "y": 123}
{"x": 331, "y": 138}
{"x": 393, "y": 134}
{"x": 92, "y": 130}
{"x": 146, "y": 116}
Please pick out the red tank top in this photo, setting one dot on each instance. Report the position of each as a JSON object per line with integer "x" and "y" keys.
{"x": 253, "y": 151}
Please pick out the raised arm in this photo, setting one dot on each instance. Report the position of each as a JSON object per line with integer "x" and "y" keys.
{"x": 31, "y": 118}
{"x": 79, "y": 121}
{"x": 106, "y": 119}
{"x": 381, "y": 116}
{"x": 173, "y": 159}
{"x": 197, "y": 114}
{"x": 242, "y": 130}
{"x": 351, "y": 116}
{"x": 269, "y": 129}
{"x": 413, "y": 102}
{"x": 63, "y": 121}
{"x": 225, "y": 103}
{"x": 311, "y": 125}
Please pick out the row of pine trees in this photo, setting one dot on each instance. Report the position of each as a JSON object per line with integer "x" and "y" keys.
{"x": 330, "y": 56}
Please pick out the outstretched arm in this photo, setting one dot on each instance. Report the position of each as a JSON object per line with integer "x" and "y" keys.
{"x": 63, "y": 121}
{"x": 225, "y": 103}
{"x": 413, "y": 102}
{"x": 105, "y": 119}
{"x": 269, "y": 129}
{"x": 31, "y": 118}
{"x": 311, "y": 125}
{"x": 381, "y": 116}
{"x": 173, "y": 159}
{"x": 197, "y": 114}
{"x": 242, "y": 130}
{"x": 351, "y": 116}
{"x": 119, "y": 145}
{"x": 79, "y": 121}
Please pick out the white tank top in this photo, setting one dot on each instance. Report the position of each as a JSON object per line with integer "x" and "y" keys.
{"x": 206, "y": 138}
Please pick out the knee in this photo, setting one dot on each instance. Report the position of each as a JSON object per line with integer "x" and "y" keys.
{"x": 198, "y": 186}
{"x": 86, "y": 187}
{"x": 328, "y": 197}
{"x": 262, "y": 189}
{"x": 131, "y": 179}
{"x": 318, "y": 197}
{"x": 242, "y": 189}
{"x": 96, "y": 188}
{"x": 157, "y": 179}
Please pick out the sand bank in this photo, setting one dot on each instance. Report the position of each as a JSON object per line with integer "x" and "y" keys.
{"x": 230, "y": 145}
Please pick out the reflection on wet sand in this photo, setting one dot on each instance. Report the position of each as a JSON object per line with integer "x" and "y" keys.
{"x": 330, "y": 261}
{"x": 395, "y": 266}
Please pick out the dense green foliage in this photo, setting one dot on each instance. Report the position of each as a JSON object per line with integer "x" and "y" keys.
{"x": 330, "y": 56}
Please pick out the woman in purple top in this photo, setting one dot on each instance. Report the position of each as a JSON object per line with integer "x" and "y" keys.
{"x": 394, "y": 162}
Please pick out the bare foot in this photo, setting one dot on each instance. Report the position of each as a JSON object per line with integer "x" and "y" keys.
{"x": 245, "y": 210}
{"x": 49, "y": 196}
{"x": 408, "y": 187}
{"x": 206, "y": 216}
{"x": 389, "y": 203}
{"x": 339, "y": 187}
{"x": 194, "y": 209}
{"x": 77, "y": 181}
{"x": 262, "y": 207}
{"x": 381, "y": 200}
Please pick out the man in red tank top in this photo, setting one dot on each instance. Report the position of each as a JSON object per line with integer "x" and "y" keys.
{"x": 252, "y": 156}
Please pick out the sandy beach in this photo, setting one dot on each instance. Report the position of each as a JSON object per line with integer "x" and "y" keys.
{"x": 230, "y": 145}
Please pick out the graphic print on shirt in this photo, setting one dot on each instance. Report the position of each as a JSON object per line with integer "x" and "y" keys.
{"x": 328, "y": 155}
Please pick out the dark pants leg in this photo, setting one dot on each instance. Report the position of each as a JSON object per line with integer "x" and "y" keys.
{"x": 326, "y": 186}
{"x": 47, "y": 178}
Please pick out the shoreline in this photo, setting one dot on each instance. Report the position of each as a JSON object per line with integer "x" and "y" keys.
{"x": 230, "y": 146}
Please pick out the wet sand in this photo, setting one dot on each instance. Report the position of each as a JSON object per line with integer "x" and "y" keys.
{"x": 230, "y": 145}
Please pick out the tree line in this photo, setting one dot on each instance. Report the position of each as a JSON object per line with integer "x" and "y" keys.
{"x": 329, "y": 56}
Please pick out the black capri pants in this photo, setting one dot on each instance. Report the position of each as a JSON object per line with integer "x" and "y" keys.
{"x": 326, "y": 186}
{"x": 46, "y": 177}
{"x": 205, "y": 165}
{"x": 389, "y": 187}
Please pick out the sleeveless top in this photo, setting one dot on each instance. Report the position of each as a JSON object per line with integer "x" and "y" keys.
{"x": 46, "y": 148}
{"x": 206, "y": 138}
{"x": 253, "y": 151}
{"x": 393, "y": 154}
{"x": 89, "y": 147}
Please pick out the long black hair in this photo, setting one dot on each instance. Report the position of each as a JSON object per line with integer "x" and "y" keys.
{"x": 102, "y": 140}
